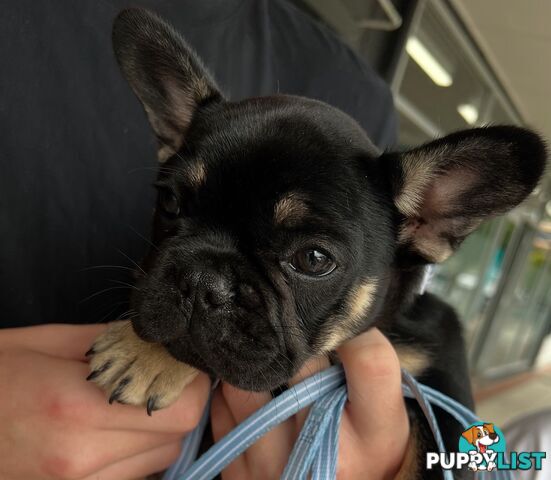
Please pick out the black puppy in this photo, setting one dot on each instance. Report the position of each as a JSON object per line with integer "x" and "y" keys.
{"x": 280, "y": 232}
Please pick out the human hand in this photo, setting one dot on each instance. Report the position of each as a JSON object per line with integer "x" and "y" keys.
{"x": 55, "y": 425}
{"x": 374, "y": 430}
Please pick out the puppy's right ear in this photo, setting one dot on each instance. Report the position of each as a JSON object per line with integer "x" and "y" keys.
{"x": 444, "y": 189}
{"x": 164, "y": 73}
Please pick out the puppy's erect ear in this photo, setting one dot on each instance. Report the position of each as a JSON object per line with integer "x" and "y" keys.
{"x": 445, "y": 188}
{"x": 164, "y": 73}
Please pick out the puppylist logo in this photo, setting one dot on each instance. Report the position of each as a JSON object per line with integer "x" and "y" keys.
{"x": 482, "y": 448}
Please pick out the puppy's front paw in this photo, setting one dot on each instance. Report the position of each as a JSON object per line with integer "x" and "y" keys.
{"x": 136, "y": 372}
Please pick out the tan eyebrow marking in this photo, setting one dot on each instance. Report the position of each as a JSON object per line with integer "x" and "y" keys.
{"x": 361, "y": 299}
{"x": 196, "y": 174}
{"x": 291, "y": 208}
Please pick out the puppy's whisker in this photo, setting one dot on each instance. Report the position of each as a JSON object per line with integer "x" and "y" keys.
{"x": 105, "y": 290}
{"x": 128, "y": 258}
{"x": 155, "y": 168}
{"x": 97, "y": 267}
{"x": 126, "y": 284}
{"x": 108, "y": 314}
{"x": 128, "y": 315}
{"x": 142, "y": 237}
{"x": 130, "y": 312}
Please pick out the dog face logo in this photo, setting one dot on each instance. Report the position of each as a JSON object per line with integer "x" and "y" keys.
{"x": 481, "y": 436}
{"x": 484, "y": 438}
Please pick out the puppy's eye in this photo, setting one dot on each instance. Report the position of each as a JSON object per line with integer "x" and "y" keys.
{"x": 169, "y": 203}
{"x": 310, "y": 261}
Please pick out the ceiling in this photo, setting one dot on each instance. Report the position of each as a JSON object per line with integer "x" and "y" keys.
{"x": 515, "y": 37}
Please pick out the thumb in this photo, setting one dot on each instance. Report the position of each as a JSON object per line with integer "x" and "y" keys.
{"x": 374, "y": 383}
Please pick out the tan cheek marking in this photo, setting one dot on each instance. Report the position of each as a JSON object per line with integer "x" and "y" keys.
{"x": 335, "y": 338}
{"x": 362, "y": 299}
{"x": 344, "y": 325}
{"x": 290, "y": 209}
{"x": 411, "y": 359}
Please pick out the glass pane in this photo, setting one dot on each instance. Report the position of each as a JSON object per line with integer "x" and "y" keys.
{"x": 522, "y": 316}
{"x": 468, "y": 280}
{"x": 410, "y": 134}
{"x": 443, "y": 82}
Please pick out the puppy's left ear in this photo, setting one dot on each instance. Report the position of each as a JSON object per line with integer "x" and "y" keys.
{"x": 165, "y": 74}
{"x": 469, "y": 435}
{"x": 444, "y": 189}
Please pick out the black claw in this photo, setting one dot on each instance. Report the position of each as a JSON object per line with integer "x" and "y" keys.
{"x": 93, "y": 375}
{"x": 118, "y": 391}
{"x": 114, "y": 396}
{"x": 151, "y": 404}
{"x": 92, "y": 351}
{"x": 99, "y": 370}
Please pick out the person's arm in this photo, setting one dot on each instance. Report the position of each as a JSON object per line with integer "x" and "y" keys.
{"x": 374, "y": 431}
{"x": 55, "y": 425}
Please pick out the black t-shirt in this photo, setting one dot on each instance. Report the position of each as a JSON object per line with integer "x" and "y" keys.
{"x": 77, "y": 156}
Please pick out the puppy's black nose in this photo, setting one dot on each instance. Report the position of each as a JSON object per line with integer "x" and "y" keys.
{"x": 217, "y": 296}
{"x": 492, "y": 435}
{"x": 212, "y": 289}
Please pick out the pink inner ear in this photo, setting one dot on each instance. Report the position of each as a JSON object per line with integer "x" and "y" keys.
{"x": 430, "y": 232}
{"x": 441, "y": 196}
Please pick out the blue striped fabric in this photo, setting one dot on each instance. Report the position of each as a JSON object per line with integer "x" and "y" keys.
{"x": 313, "y": 432}
{"x": 316, "y": 449}
{"x": 325, "y": 464}
{"x": 190, "y": 447}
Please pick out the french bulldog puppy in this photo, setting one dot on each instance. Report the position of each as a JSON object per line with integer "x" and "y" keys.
{"x": 280, "y": 232}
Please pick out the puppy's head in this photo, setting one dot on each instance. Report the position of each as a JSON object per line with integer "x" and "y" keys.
{"x": 278, "y": 223}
